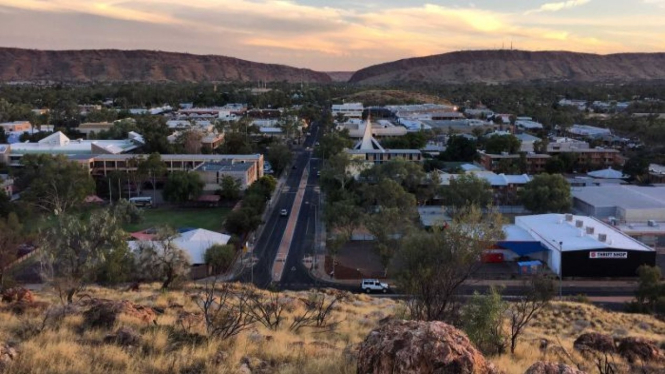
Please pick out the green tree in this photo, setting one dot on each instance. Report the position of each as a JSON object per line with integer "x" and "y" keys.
{"x": 547, "y": 193}
{"x": 637, "y": 168}
{"x": 220, "y": 257}
{"x": 54, "y": 184}
{"x": 465, "y": 191}
{"x": 230, "y": 188}
{"x": 433, "y": 265}
{"x": 74, "y": 249}
{"x": 161, "y": 259}
{"x": 150, "y": 168}
{"x": 335, "y": 173}
{"x": 555, "y": 166}
{"x": 155, "y": 133}
{"x": 502, "y": 143}
{"x": 236, "y": 144}
{"x": 182, "y": 186}
{"x": 483, "y": 319}
{"x": 333, "y": 143}
{"x": 459, "y": 149}
{"x": 242, "y": 221}
{"x": 650, "y": 290}
{"x": 279, "y": 156}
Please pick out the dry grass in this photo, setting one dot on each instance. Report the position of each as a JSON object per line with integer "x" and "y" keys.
{"x": 562, "y": 322}
{"x": 69, "y": 347}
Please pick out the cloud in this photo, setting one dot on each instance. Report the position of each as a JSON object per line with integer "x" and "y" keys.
{"x": 336, "y": 37}
{"x": 555, "y": 7}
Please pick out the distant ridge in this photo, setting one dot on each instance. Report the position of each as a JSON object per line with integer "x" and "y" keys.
{"x": 110, "y": 65}
{"x": 504, "y": 66}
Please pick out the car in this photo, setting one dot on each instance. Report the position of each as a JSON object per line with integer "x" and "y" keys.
{"x": 283, "y": 212}
{"x": 318, "y": 173}
{"x": 372, "y": 285}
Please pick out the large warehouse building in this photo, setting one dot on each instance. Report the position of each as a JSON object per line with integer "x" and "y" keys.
{"x": 626, "y": 203}
{"x": 577, "y": 246}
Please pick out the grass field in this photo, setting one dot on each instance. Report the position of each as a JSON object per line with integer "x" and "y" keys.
{"x": 205, "y": 218}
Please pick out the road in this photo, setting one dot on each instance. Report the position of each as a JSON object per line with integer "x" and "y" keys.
{"x": 267, "y": 245}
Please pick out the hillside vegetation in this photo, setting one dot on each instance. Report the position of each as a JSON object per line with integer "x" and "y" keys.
{"x": 28, "y": 65}
{"x": 504, "y": 66}
{"x": 164, "y": 332}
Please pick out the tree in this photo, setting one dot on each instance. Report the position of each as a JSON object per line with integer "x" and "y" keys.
{"x": 483, "y": 318}
{"x": 467, "y": 190}
{"x": 637, "y": 168}
{"x": 230, "y": 188}
{"x": 161, "y": 259}
{"x": 182, "y": 186}
{"x": 10, "y": 238}
{"x": 236, "y": 144}
{"x": 220, "y": 257}
{"x": 649, "y": 289}
{"x": 155, "y": 133}
{"x": 335, "y": 173}
{"x": 242, "y": 221}
{"x": 151, "y": 168}
{"x": 189, "y": 142}
{"x": 279, "y": 156}
{"x": 555, "y": 166}
{"x": 521, "y": 312}
{"x": 54, "y": 184}
{"x": 547, "y": 193}
{"x": 433, "y": 265}
{"x": 460, "y": 149}
{"x": 74, "y": 249}
{"x": 333, "y": 143}
{"x": 502, "y": 143}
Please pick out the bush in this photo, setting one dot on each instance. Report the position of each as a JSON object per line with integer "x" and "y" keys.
{"x": 220, "y": 257}
{"x": 483, "y": 319}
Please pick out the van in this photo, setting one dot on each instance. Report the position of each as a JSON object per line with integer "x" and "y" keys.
{"x": 141, "y": 201}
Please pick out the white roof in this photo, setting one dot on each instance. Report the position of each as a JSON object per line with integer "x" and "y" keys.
{"x": 528, "y": 124}
{"x": 495, "y": 180}
{"x": 515, "y": 233}
{"x": 608, "y": 173}
{"x": 624, "y": 196}
{"x": 194, "y": 242}
{"x": 554, "y": 232}
{"x": 433, "y": 215}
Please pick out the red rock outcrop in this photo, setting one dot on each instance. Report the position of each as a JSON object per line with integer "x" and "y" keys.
{"x": 552, "y": 368}
{"x": 412, "y": 347}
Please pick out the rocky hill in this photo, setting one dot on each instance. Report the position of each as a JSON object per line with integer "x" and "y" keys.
{"x": 340, "y": 76}
{"x": 503, "y": 66}
{"x": 27, "y": 65}
{"x": 147, "y": 330}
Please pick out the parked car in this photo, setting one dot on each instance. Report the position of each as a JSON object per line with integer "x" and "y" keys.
{"x": 374, "y": 285}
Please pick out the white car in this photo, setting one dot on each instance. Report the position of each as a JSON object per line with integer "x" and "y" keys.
{"x": 374, "y": 285}
{"x": 283, "y": 213}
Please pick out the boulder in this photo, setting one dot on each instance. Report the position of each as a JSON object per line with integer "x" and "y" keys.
{"x": 103, "y": 312}
{"x": 418, "y": 347}
{"x": 124, "y": 336}
{"x": 541, "y": 367}
{"x": 594, "y": 341}
{"x": 17, "y": 294}
{"x": 638, "y": 349}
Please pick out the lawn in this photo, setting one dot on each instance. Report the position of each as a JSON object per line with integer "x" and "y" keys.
{"x": 205, "y": 218}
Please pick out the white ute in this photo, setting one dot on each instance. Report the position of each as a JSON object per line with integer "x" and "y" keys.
{"x": 373, "y": 285}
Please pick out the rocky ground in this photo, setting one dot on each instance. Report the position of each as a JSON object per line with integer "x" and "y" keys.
{"x": 150, "y": 331}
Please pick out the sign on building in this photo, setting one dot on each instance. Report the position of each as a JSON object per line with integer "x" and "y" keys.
{"x": 612, "y": 255}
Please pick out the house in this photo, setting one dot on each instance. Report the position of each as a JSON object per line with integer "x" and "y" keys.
{"x": 657, "y": 173}
{"x": 588, "y": 131}
{"x": 528, "y": 124}
{"x": 533, "y": 163}
{"x": 89, "y": 128}
{"x": 16, "y": 126}
{"x": 193, "y": 242}
{"x": 527, "y": 142}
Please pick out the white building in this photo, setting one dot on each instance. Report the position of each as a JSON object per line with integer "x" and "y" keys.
{"x": 588, "y": 131}
{"x": 349, "y": 110}
{"x": 525, "y": 124}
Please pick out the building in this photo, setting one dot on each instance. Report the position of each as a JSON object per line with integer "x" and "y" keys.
{"x": 446, "y": 116}
{"x": 608, "y": 173}
{"x": 527, "y": 142}
{"x": 594, "y": 157}
{"x": 577, "y": 246}
{"x": 102, "y": 165}
{"x": 625, "y": 203}
{"x": 563, "y": 144}
{"x": 657, "y": 173}
{"x": 212, "y": 173}
{"x": 6, "y": 185}
{"x": 533, "y": 163}
{"x": 588, "y": 131}
{"x": 478, "y": 113}
{"x": 16, "y": 126}
{"x": 89, "y": 128}
{"x": 368, "y": 150}
{"x": 195, "y": 242}
{"x": 528, "y": 124}
{"x": 349, "y": 110}
{"x": 380, "y": 129}
{"x": 59, "y": 144}
{"x": 579, "y": 104}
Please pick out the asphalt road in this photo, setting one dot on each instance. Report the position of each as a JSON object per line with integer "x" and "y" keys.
{"x": 266, "y": 246}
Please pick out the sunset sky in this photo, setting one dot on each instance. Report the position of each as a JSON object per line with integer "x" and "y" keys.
{"x": 333, "y": 36}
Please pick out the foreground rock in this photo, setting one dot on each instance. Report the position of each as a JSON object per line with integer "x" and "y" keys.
{"x": 125, "y": 337}
{"x": 595, "y": 342}
{"x": 638, "y": 350}
{"x": 103, "y": 312}
{"x": 552, "y": 368}
{"x": 17, "y": 294}
{"x": 420, "y": 347}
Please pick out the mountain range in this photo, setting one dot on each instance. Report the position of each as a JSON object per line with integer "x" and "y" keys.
{"x": 485, "y": 66}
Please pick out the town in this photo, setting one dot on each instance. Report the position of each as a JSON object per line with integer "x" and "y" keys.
{"x": 293, "y": 189}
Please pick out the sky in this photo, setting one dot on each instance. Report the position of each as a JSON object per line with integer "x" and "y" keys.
{"x": 343, "y": 35}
